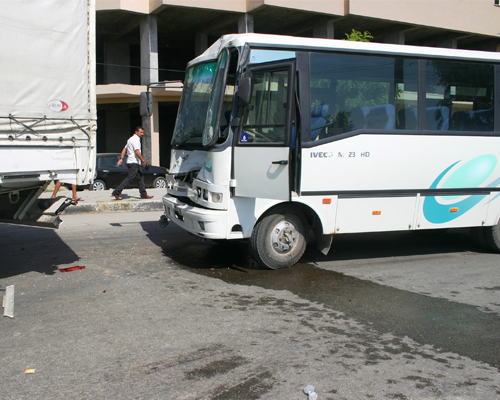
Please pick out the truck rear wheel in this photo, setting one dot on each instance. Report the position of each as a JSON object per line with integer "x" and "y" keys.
{"x": 279, "y": 239}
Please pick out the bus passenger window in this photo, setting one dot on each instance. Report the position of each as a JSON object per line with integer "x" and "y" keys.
{"x": 362, "y": 92}
{"x": 459, "y": 96}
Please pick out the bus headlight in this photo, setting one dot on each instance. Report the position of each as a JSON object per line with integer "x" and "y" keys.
{"x": 216, "y": 197}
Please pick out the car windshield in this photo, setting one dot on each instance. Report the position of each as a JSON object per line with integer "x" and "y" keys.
{"x": 194, "y": 104}
{"x": 109, "y": 161}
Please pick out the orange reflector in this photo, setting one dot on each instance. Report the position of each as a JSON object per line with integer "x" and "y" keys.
{"x": 327, "y": 201}
{"x": 376, "y": 212}
{"x": 454, "y": 209}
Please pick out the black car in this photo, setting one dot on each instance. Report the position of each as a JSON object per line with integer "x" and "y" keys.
{"x": 110, "y": 175}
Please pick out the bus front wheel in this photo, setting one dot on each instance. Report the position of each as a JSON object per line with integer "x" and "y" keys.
{"x": 279, "y": 239}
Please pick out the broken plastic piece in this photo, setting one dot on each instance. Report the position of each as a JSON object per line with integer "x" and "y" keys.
{"x": 29, "y": 371}
{"x": 8, "y": 302}
{"x": 309, "y": 391}
{"x": 72, "y": 268}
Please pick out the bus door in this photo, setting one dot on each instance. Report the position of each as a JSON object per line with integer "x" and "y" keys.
{"x": 261, "y": 158}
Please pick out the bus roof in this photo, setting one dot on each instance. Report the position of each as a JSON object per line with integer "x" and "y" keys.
{"x": 279, "y": 42}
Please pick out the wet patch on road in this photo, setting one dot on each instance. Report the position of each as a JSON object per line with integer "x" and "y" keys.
{"x": 211, "y": 362}
{"x": 446, "y": 325}
{"x": 217, "y": 367}
{"x": 251, "y": 388}
{"x": 349, "y": 347}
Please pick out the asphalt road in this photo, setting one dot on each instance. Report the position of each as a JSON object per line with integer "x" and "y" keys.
{"x": 158, "y": 314}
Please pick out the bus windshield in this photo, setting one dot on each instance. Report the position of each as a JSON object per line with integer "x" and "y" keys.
{"x": 213, "y": 110}
{"x": 194, "y": 104}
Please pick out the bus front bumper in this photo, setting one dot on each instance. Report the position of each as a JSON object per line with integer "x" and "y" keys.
{"x": 209, "y": 224}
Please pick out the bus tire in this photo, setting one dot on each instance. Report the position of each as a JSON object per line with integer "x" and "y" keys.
{"x": 478, "y": 236}
{"x": 279, "y": 239}
{"x": 492, "y": 234}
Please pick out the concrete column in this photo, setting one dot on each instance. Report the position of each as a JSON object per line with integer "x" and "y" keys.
{"x": 155, "y": 135}
{"x": 448, "y": 43}
{"x": 395, "y": 37}
{"x": 324, "y": 30}
{"x": 146, "y": 144}
{"x": 245, "y": 23}
{"x": 200, "y": 42}
{"x": 149, "y": 50}
{"x": 149, "y": 73}
{"x": 151, "y": 138}
{"x": 117, "y": 61}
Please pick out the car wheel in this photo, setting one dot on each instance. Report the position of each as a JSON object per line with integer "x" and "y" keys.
{"x": 99, "y": 185}
{"x": 160, "y": 182}
{"x": 279, "y": 239}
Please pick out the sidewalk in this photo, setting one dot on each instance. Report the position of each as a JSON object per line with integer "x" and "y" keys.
{"x": 103, "y": 202}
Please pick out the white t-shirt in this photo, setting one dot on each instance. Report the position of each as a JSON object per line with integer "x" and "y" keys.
{"x": 133, "y": 144}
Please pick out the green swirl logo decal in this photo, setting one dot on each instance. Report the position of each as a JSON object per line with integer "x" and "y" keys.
{"x": 469, "y": 175}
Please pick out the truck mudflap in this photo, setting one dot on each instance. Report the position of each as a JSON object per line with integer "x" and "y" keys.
{"x": 24, "y": 207}
{"x": 202, "y": 222}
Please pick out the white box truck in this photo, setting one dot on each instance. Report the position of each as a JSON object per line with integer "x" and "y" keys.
{"x": 47, "y": 104}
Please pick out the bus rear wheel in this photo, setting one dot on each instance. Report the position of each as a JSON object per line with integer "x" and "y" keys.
{"x": 492, "y": 234}
{"x": 478, "y": 235}
{"x": 279, "y": 239}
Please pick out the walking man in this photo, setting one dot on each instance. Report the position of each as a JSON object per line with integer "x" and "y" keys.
{"x": 134, "y": 160}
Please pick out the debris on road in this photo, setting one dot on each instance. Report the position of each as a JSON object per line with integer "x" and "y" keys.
{"x": 309, "y": 391}
{"x": 8, "y": 301}
{"x": 69, "y": 269}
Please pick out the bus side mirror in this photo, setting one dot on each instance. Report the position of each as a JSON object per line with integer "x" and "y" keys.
{"x": 146, "y": 104}
{"x": 244, "y": 91}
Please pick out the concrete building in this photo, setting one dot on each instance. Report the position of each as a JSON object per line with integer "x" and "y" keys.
{"x": 144, "y": 41}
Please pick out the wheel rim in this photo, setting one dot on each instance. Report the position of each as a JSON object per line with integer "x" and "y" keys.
{"x": 98, "y": 186}
{"x": 284, "y": 237}
{"x": 161, "y": 183}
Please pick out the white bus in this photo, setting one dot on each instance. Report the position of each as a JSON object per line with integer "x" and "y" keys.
{"x": 278, "y": 137}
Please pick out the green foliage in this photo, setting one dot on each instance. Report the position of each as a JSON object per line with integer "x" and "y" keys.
{"x": 357, "y": 36}
{"x": 362, "y": 93}
{"x": 342, "y": 122}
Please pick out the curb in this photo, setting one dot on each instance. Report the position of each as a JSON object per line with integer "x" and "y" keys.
{"x": 103, "y": 202}
{"x": 115, "y": 206}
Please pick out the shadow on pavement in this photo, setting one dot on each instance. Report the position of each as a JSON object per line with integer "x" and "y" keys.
{"x": 362, "y": 246}
{"x": 25, "y": 248}
{"x": 196, "y": 253}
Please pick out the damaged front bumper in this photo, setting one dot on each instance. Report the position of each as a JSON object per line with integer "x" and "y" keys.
{"x": 209, "y": 224}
